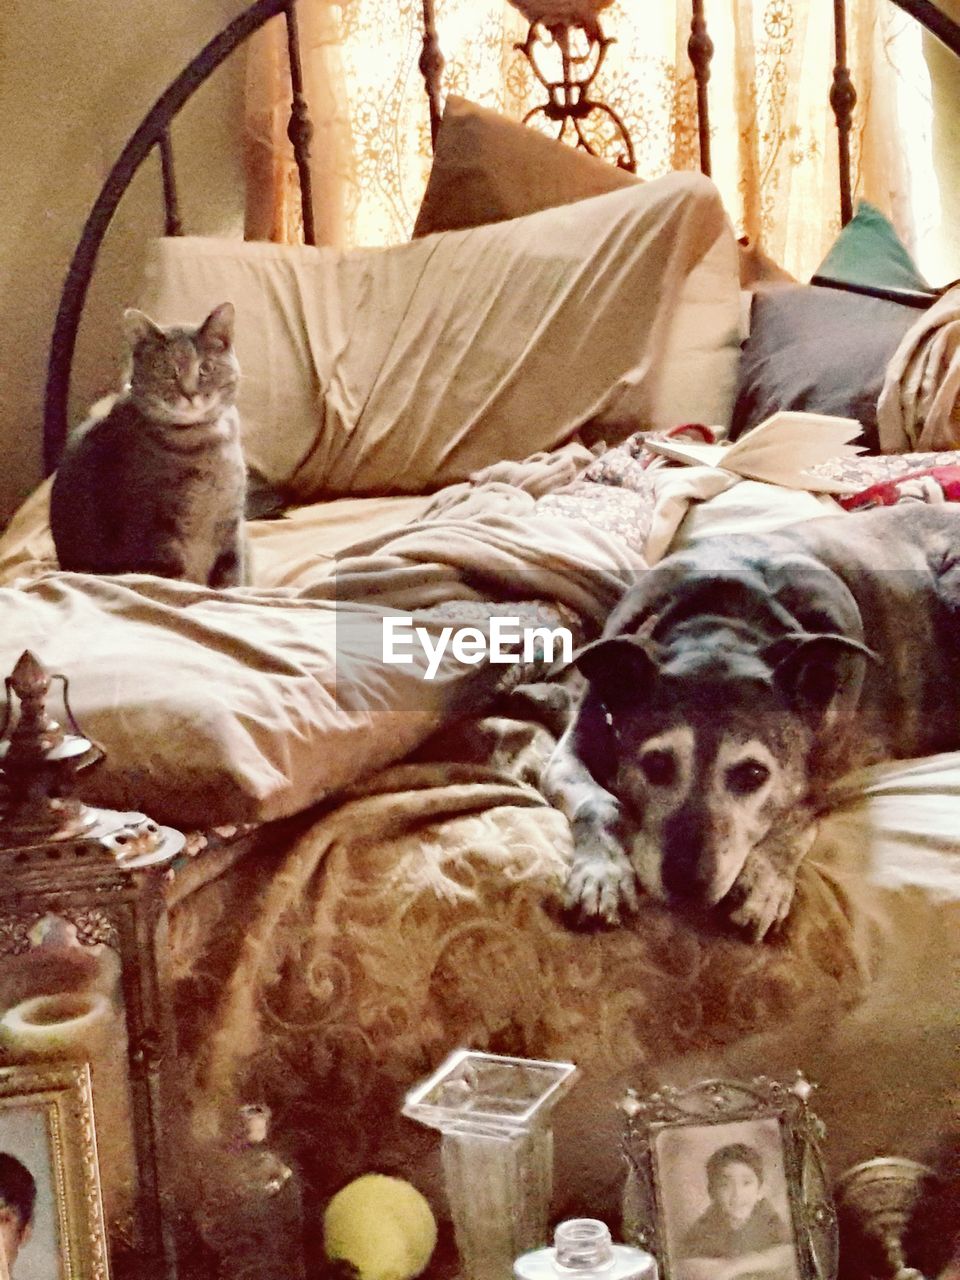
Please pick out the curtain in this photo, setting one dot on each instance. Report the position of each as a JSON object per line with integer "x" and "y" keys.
{"x": 773, "y": 135}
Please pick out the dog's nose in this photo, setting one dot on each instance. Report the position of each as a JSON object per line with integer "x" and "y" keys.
{"x": 692, "y": 855}
{"x": 685, "y": 876}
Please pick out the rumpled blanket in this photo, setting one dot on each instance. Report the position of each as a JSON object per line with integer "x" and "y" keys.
{"x": 278, "y": 694}
{"x": 333, "y": 967}
{"x": 919, "y": 405}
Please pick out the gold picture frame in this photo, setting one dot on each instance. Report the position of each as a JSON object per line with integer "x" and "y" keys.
{"x": 727, "y": 1172}
{"x": 51, "y": 1216}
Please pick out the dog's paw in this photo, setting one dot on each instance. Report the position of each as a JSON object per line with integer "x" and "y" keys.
{"x": 761, "y": 898}
{"x": 601, "y": 884}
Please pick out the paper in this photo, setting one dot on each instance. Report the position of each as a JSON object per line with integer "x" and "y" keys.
{"x": 780, "y": 450}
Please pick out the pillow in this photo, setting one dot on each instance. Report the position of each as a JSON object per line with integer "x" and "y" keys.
{"x": 404, "y": 369}
{"x": 487, "y": 168}
{"x": 869, "y": 253}
{"x": 758, "y": 269}
{"x": 820, "y": 350}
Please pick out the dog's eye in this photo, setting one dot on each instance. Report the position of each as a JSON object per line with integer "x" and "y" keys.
{"x": 660, "y": 767}
{"x": 747, "y": 777}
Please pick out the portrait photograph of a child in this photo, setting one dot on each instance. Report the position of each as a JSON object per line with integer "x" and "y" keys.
{"x": 29, "y": 1237}
{"x": 51, "y": 1214}
{"x": 725, "y": 1202}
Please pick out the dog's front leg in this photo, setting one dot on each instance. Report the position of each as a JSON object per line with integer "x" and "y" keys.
{"x": 762, "y": 894}
{"x": 601, "y": 881}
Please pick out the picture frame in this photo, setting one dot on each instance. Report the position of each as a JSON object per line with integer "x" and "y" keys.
{"x": 51, "y": 1216}
{"x": 726, "y": 1180}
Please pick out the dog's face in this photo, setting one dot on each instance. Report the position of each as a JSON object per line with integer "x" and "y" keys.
{"x": 704, "y": 774}
{"x": 709, "y": 753}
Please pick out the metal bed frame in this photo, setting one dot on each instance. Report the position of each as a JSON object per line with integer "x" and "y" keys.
{"x": 153, "y": 133}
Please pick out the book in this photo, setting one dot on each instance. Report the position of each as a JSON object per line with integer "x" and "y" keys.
{"x": 780, "y": 450}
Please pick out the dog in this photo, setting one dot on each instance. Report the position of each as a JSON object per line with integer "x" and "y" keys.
{"x": 733, "y": 685}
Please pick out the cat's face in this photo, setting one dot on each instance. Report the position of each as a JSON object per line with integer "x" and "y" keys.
{"x": 183, "y": 376}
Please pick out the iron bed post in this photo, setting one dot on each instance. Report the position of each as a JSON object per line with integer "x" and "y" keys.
{"x": 843, "y": 98}
{"x": 700, "y": 52}
{"x": 431, "y": 68}
{"x": 172, "y": 223}
{"x": 300, "y": 128}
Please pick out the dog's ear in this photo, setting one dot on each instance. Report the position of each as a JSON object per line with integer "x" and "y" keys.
{"x": 818, "y": 671}
{"x": 618, "y": 667}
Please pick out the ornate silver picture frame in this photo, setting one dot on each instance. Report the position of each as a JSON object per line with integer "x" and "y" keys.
{"x": 726, "y": 1178}
{"x": 51, "y": 1218}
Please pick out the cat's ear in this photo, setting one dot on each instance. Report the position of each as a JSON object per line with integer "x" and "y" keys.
{"x": 138, "y": 328}
{"x": 216, "y": 332}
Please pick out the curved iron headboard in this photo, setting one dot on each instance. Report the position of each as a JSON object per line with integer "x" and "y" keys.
{"x": 153, "y": 132}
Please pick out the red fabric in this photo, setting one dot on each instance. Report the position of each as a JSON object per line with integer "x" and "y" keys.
{"x": 933, "y": 484}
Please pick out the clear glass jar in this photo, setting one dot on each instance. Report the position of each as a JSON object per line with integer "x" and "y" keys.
{"x": 583, "y": 1248}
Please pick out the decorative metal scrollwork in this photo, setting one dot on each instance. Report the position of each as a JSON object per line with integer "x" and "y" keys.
{"x": 566, "y": 59}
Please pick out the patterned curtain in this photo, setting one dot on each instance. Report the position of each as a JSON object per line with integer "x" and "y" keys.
{"x": 773, "y": 136}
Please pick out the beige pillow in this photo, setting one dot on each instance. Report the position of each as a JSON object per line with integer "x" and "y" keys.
{"x": 487, "y": 168}
{"x": 401, "y": 370}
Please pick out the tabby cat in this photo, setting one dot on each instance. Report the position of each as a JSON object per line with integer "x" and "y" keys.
{"x": 157, "y": 485}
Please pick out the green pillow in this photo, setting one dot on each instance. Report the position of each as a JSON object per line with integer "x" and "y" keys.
{"x": 868, "y": 253}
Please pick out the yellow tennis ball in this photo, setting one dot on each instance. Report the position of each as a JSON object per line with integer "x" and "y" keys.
{"x": 383, "y": 1225}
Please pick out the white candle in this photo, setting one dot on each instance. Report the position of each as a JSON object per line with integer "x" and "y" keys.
{"x": 85, "y": 1027}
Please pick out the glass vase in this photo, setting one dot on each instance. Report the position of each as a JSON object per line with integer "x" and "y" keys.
{"x": 494, "y": 1116}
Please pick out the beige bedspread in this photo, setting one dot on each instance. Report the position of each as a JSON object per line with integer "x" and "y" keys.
{"x": 919, "y": 404}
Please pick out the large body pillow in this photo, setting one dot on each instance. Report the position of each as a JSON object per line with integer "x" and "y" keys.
{"x": 400, "y": 370}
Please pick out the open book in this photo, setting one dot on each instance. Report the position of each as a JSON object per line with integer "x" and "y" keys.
{"x": 780, "y": 450}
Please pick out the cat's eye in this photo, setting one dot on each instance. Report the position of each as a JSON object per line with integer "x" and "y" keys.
{"x": 206, "y": 368}
{"x": 659, "y": 767}
{"x": 746, "y": 777}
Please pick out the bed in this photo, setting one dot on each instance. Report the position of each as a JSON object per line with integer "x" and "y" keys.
{"x": 452, "y": 430}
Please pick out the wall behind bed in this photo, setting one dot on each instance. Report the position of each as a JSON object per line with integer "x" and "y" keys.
{"x": 76, "y": 76}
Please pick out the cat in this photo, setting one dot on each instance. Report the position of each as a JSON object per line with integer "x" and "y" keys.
{"x": 157, "y": 483}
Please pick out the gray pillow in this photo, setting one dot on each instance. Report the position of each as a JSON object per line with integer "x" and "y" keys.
{"x": 818, "y": 349}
